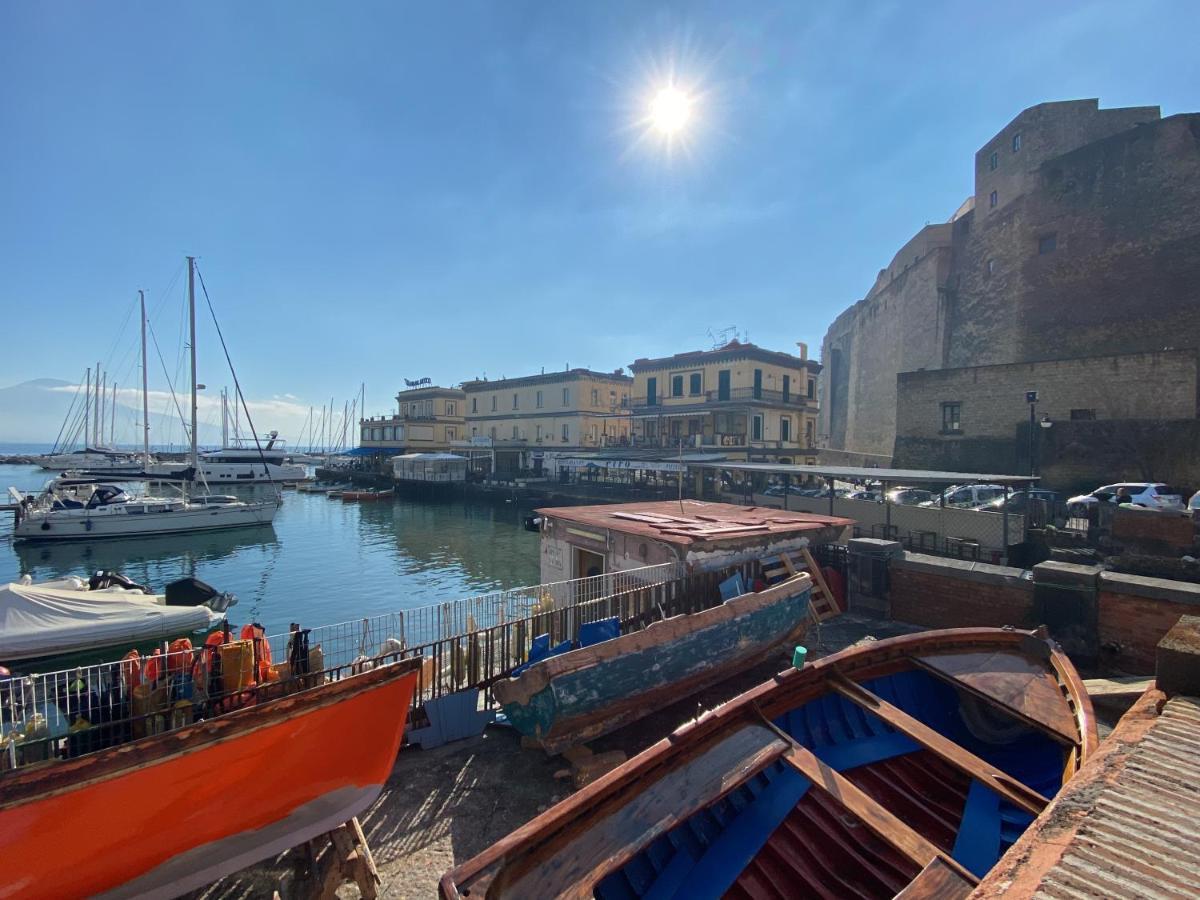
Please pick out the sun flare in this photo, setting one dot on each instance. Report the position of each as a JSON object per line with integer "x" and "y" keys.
{"x": 670, "y": 110}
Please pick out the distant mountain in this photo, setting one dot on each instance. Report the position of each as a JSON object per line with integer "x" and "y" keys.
{"x": 34, "y": 411}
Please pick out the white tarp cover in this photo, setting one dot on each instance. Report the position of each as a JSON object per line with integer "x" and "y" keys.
{"x": 40, "y": 621}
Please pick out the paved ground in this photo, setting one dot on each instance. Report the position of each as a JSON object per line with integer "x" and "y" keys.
{"x": 441, "y": 807}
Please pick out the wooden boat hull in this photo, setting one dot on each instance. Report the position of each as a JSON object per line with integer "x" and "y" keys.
{"x": 582, "y": 694}
{"x": 167, "y": 814}
{"x": 905, "y": 767}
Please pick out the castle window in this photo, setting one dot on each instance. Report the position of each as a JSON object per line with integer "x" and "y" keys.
{"x": 1083, "y": 415}
{"x": 1047, "y": 243}
{"x": 993, "y": 199}
{"x": 1016, "y": 142}
{"x": 991, "y": 267}
{"x": 993, "y": 161}
{"x": 951, "y": 418}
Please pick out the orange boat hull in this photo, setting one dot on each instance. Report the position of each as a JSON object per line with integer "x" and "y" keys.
{"x": 211, "y": 806}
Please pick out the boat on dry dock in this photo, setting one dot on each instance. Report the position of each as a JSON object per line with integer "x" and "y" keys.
{"x": 168, "y": 812}
{"x": 905, "y": 767}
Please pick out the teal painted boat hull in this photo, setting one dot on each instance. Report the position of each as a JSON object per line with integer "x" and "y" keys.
{"x": 580, "y": 695}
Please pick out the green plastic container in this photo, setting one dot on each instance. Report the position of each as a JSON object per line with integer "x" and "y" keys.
{"x": 798, "y": 656}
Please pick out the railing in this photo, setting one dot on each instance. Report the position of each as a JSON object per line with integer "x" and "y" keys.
{"x": 468, "y": 643}
{"x": 733, "y": 395}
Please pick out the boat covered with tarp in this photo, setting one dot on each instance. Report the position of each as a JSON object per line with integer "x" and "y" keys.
{"x": 72, "y": 614}
{"x": 906, "y": 766}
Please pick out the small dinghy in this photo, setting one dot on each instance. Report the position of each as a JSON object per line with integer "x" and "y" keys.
{"x": 905, "y": 767}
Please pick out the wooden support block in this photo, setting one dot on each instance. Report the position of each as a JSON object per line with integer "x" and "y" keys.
{"x": 577, "y": 754}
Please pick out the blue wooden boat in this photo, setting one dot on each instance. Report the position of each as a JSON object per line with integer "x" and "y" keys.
{"x": 905, "y": 767}
{"x": 580, "y": 694}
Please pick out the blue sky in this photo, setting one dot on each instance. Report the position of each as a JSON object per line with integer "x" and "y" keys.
{"x": 388, "y": 190}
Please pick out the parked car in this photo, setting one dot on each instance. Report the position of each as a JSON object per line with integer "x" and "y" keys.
{"x": 904, "y": 496}
{"x": 1018, "y": 501}
{"x": 871, "y": 496}
{"x": 968, "y": 496}
{"x": 1152, "y": 495}
{"x": 779, "y": 490}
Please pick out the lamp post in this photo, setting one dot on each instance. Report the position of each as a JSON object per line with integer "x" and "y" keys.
{"x": 1031, "y": 397}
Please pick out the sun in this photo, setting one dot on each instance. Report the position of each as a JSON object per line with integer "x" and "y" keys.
{"x": 670, "y": 110}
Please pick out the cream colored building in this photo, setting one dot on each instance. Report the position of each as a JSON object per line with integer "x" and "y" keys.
{"x": 740, "y": 399}
{"x": 428, "y": 419}
{"x": 538, "y": 414}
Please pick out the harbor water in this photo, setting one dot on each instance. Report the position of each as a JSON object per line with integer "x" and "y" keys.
{"x": 321, "y": 562}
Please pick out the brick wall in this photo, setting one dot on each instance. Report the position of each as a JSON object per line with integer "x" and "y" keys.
{"x": 946, "y": 593}
{"x": 1135, "y": 613}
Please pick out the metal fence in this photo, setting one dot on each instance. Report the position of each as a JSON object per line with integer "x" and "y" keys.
{"x": 467, "y": 643}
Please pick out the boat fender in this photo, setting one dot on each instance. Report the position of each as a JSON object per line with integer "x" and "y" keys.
{"x": 45, "y": 526}
{"x": 87, "y": 524}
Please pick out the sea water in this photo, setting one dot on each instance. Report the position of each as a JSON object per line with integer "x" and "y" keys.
{"x": 321, "y": 562}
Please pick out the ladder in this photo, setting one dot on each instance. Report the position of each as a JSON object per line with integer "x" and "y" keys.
{"x": 822, "y": 605}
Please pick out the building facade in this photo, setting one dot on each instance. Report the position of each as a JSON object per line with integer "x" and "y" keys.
{"x": 427, "y": 420}
{"x": 1081, "y": 239}
{"x": 529, "y": 417}
{"x": 742, "y": 400}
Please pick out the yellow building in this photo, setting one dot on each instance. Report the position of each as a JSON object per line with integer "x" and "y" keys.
{"x": 428, "y": 420}
{"x": 740, "y": 399}
{"x": 529, "y": 417}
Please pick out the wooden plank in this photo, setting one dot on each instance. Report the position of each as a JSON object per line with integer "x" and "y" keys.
{"x": 815, "y": 571}
{"x": 1131, "y": 686}
{"x": 937, "y": 881}
{"x": 1012, "y": 790}
{"x": 855, "y": 801}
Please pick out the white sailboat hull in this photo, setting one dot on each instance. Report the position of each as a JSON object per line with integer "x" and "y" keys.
{"x": 221, "y": 473}
{"x": 126, "y": 520}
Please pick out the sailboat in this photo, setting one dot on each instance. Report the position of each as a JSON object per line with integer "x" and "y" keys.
{"x": 94, "y": 455}
{"x": 85, "y": 508}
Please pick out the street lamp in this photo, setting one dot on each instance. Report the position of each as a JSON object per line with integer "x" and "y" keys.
{"x": 1031, "y": 397}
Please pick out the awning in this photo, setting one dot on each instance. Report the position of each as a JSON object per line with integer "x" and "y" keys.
{"x": 372, "y": 451}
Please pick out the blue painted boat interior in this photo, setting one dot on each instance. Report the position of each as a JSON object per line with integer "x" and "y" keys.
{"x": 704, "y": 855}
{"x": 589, "y": 633}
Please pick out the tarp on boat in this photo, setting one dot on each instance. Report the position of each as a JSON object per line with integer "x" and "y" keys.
{"x": 36, "y": 620}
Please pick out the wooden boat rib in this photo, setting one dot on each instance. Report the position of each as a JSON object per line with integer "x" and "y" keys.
{"x": 905, "y": 767}
{"x": 591, "y": 691}
{"x": 166, "y": 814}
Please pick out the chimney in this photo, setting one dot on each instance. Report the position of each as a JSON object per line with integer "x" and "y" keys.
{"x": 803, "y": 349}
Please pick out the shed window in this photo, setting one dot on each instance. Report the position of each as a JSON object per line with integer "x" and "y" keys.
{"x": 951, "y": 418}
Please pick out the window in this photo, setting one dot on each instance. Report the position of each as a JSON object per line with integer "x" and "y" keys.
{"x": 810, "y": 433}
{"x": 492, "y": 432}
{"x": 993, "y": 199}
{"x": 787, "y": 388}
{"x": 566, "y": 432}
{"x": 516, "y": 405}
{"x": 993, "y": 161}
{"x": 566, "y": 396}
{"x": 595, "y": 433}
{"x": 474, "y": 431}
{"x": 538, "y": 400}
{"x": 1047, "y": 243}
{"x": 1016, "y": 142}
{"x": 1083, "y": 415}
{"x": 493, "y": 402}
{"x": 758, "y": 384}
{"x": 595, "y": 396}
{"x": 756, "y": 428}
{"x": 474, "y": 404}
{"x": 676, "y": 385}
{"x": 451, "y": 433}
{"x": 695, "y": 383}
{"x": 451, "y": 408}
{"x": 812, "y": 389}
{"x": 537, "y": 432}
{"x": 516, "y": 433}
{"x": 651, "y": 391}
{"x": 991, "y": 267}
{"x": 785, "y": 428}
{"x": 951, "y": 418}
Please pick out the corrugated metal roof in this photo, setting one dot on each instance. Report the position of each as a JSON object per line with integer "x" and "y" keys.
{"x": 1128, "y": 825}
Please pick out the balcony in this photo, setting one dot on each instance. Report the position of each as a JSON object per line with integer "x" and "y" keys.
{"x": 734, "y": 395}
{"x": 719, "y": 441}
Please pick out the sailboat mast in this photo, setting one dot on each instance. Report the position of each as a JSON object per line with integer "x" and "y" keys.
{"x": 87, "y": 408}
{"x": 191, "y": 266}
{"x": 145, "y": 392}
{"x": 98, "y": 409}
{"x": 112, "y": 418}
{"x": 224, "y": 417}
